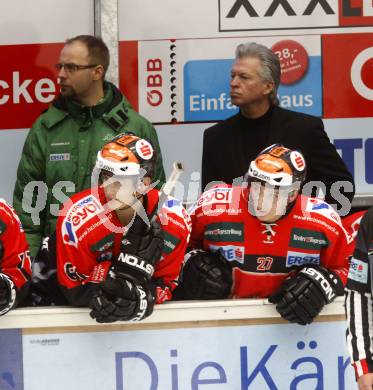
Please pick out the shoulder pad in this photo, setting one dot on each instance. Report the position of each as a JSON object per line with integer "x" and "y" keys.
{"x": 174, "y": 208}
{"x": 318, "y": 206}
{"x": 12, "y": 216}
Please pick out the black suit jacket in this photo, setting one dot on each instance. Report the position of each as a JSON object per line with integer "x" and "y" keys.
{"x": 226, "y": 155}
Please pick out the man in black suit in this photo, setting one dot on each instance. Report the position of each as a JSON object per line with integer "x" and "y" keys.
{"x": 230, "y": 145}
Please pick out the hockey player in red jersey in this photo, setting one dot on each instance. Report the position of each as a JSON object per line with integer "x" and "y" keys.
{"x": 264, "y": 240}
{"x": 15, "y": 264}
{"x": 111, "y": 254}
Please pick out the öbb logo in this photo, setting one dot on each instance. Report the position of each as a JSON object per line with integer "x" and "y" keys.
{"x": 154, "y": 82}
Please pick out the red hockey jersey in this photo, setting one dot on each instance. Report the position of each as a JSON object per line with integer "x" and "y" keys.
{"x": 89, "y": 237}
{"x": 15, "y": 260}
{"x": 263, "y": 254}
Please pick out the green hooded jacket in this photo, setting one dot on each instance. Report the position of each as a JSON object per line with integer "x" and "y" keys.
{"x": 60, "y": 152}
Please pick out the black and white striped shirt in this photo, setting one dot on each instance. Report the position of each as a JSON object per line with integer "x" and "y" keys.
{"x": 359, "y": 309}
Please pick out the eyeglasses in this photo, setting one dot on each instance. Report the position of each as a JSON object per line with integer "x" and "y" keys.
{"x": 71, "y": 67}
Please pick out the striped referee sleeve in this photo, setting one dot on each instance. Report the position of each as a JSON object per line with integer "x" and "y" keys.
{"x": 359, "y": 313}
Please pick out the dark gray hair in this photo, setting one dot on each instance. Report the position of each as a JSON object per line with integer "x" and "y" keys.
{"x": 270, "y": 70}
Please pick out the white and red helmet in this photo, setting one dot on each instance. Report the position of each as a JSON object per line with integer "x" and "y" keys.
{"x": 278, "y": 166}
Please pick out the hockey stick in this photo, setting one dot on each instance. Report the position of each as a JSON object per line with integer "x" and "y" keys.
{"x": 177, "y": 170}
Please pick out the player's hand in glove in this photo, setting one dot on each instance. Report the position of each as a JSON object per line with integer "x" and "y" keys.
{"x": 119, "y": 299}
{"x": 7, "y": 294}
{"x": 125, "y": 295}
{"x": 141, "y": 249}
{"x": 303, "y": 295}
{"x": 205, "y": 275}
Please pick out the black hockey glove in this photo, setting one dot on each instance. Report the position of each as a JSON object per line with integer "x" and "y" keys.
{"x": 141, "y": 249}
{"x": 120, "y": 299}
{"x": 303, "y": 295}
{"x": 8, "y": 294}
{"x": 205, "y": 275}
{"x": 44, "y": 289}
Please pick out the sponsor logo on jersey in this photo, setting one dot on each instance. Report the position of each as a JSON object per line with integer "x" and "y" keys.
{"x": 230, "y": 252}
{"x": 171, "y": 220}
{"x": 104, "y": 244}
{"x": 59, "y": 157}
{"x": 307, "y": 239}
{"x": 300, "y": 258}
{"x": 80, "y": 213}
{"x": 215, "y": 195}
{"x": 106, "y": 256}
{"x": 72, "y": 273}
{"x": 320, "y": 207}
{"x": 219, "y": 211}
{"x": 268, "y": 232}
{"x": 187, "y": 219}
{"x": 170, "y": 242}
{"x": 358, "y": 271}
{"x": 225, "y": 231}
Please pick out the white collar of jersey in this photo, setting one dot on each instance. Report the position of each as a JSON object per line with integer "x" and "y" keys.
{"x": 117, "y": 168}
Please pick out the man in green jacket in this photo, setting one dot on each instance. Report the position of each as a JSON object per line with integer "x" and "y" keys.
{"x": 62, "y": 145}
